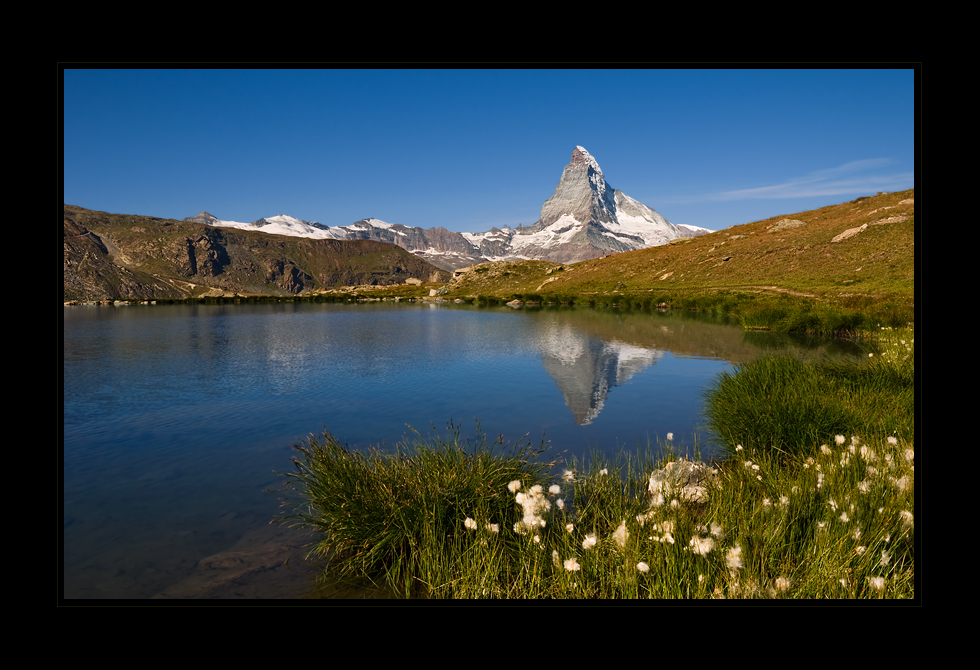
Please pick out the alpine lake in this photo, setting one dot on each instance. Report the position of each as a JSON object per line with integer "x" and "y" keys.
{"x": 177, "y": 418}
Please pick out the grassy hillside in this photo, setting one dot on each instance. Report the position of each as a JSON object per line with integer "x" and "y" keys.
{"x": 856, "y": 255}
{"x": 124, "y": 256}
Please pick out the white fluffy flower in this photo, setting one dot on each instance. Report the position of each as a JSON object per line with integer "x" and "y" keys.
{"x": 702, "y": 545}
{"x": 589, "y": 541}
{"x": 734, "y": 557}
{"x": 572, "y": 565}
{"x": 642, "y": 567}
{"x": 621, "y": 535}
{"x": 470, "y": 523}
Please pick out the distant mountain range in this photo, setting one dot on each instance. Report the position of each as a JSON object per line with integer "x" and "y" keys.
{"x": 585, "y": 218}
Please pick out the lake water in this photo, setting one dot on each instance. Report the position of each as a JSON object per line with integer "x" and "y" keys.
{"x": 177, "y": 417}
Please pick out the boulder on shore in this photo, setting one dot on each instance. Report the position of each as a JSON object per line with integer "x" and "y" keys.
{"x": 687, "y": 480}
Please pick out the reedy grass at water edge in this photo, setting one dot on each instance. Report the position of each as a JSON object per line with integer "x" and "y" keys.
{"x": 394, "y": 515}
{"x": 834, "y": 525}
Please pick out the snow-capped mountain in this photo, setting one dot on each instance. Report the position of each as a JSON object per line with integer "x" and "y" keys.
{"x": 587, "y": 218}
{"x": 584, "y": 218}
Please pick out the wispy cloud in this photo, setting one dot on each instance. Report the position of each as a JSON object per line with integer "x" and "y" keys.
{"x": 854, "y": 177}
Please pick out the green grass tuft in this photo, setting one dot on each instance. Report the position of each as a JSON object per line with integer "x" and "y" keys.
{"x": 785, "y": 405}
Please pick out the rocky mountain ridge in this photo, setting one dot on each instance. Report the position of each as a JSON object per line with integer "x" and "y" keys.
{"x": 585, "y": 218}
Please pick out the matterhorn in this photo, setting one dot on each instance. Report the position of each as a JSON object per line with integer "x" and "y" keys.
{"x": 585, "y": 218}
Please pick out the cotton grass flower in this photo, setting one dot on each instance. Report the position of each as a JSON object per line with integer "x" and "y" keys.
{"x": 902, "y": 484}
{"x": 621, "y": 535}
{"x": 569, "y": 476}
{"x": 514, "y": 486}
{"x": 554, "y": 489}
{"x": 783, "y": 583}
{"x": 877, "y": 583}
{"x": 470, "y": 524}
{"x": 643, "y": 567}
{"x": 493, "y": 527}
{"x": 589, "y": 542}
{"x": 572, "y": 565}
{"x": 734, "y": 557}
{"x": 702, "y": 546}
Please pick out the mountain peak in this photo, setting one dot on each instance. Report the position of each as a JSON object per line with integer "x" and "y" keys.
{"x": 203, "y": 217}
{"x": 582, "y": 157}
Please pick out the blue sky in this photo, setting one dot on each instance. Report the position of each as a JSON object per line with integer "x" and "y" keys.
{"x": 471, "y": 149}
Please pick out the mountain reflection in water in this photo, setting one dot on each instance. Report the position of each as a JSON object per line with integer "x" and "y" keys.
{"x": 585, "y": 367}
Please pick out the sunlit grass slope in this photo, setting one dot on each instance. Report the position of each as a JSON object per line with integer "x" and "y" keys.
{"x": 855, "y": 254}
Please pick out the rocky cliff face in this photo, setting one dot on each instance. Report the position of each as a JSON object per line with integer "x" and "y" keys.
{"x": 109, "y": 256}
